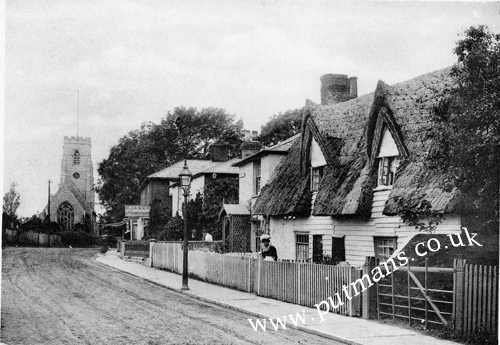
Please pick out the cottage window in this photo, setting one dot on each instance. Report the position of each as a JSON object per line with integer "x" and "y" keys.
{"x": 385, "y": 247}
{"x": 387, "y": 170}
{"x": 302, "y": 246}
{"x": 316, "y": 175}
{"x": 76, "y": 158}
{"x": 256, "y": 176}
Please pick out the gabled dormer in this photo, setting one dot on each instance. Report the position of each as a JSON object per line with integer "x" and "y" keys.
{"x": 387, "y": 160}
{"x": 385, "y": 145}
{"x": 317, "y": 164}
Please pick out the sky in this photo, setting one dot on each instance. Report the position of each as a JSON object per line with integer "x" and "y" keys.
{"x": 134, "y": 61}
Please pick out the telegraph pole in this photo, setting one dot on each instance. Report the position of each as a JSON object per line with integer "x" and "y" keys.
{"x": 48, "y": 212}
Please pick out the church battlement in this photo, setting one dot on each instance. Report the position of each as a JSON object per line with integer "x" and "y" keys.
{"x": 73, "y": 140}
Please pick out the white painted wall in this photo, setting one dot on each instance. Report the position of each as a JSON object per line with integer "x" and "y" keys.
{"x": 197, "y": 185}
{"x": 268, "y": 164}
{"x": 358, "y": 233}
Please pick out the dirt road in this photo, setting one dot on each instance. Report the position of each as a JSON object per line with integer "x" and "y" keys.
{"x": 63, "y": 296}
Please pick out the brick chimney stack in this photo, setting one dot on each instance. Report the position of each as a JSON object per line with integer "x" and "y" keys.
{"x": 336, "y": 88}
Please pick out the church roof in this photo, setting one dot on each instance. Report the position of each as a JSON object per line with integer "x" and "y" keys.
{"x": 69, "y": 185}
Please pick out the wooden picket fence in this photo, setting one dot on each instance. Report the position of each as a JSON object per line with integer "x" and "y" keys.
{"x": 308, "y": 284}
{"x": 305, "y": 284}
{"x": 476, "y": 299}
{"x": 31, "y": 238}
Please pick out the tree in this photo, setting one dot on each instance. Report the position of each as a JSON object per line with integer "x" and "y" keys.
{"x": 467, "y": 126}
{"x": 184, "y": 134}
{"x": 281, "y": 127}
{"x": 215, "y": 193}
{"x": 11, "y": 202}
{"x": 158, "y": 219}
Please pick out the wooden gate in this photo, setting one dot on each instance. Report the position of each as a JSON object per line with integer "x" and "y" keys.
{"x": 464, "y": 297}
{"x": 417, "y": 294}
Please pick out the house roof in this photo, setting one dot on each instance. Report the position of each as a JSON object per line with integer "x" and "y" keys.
{"x": 221, "y": 168}
{"x": 234, "y": 209}
{"x": 348, "y": 134}
{"x": 280, "y": 148}
{"x": 202, "y": 169}
{"x": 173, "y": 171}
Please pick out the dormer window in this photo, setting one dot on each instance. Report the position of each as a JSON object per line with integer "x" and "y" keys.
{"x": 388, "y": 160}
{"x": 318, "y": 162}
{"x": 386, "y": 170}
{"x": 316, "y": 175}
{"x": 76, "y": 158}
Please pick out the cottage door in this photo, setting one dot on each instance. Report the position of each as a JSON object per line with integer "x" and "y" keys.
{"x": 317, "y": 248}
{"x": 338, "y": 248}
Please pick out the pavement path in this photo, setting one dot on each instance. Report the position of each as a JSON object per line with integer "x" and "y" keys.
{"x": 348, "y": 330}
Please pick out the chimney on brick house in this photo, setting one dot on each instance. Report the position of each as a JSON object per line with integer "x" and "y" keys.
{"x": 250, "y": 145}
{"x": 220, "y": 152}
{"x": 336, "y": 88}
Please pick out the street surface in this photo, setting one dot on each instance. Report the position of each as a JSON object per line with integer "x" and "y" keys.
{"x": 63, "y": 296}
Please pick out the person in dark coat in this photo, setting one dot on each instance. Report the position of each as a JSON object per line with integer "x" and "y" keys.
{"x": 268, "y": 251}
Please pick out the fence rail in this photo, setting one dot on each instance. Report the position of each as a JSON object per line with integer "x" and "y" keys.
{"x": 477, "y": 304}
{"x": 300, "y": 283}
{"x": 34, "y": 238}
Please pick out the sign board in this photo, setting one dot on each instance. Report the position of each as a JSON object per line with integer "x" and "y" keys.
{"x": 135, "y": 211}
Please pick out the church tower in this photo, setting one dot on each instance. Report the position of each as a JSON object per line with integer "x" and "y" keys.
{"x": 77, "y": 165}
{"x": 74, "y": 199}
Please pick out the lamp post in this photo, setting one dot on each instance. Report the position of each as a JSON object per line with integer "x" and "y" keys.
{"x": 185, "y": 183}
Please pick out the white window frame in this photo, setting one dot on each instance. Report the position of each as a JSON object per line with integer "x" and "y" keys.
{"x": 385, "y": 246}
{"x": 318, "y": 173}
{"x": 299, "y": 254}
{"x": 387, "y": 167}
{"x": 257, "y": 176}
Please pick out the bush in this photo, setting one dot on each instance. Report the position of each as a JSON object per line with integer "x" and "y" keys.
{"x": 79, "y": 239}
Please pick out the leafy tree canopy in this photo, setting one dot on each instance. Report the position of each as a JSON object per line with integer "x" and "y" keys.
{"x": 11, "y": 201}
{"x": 281, "y": 127}
{"x": 185, "y": 133}
{"x": 467, "y": 126}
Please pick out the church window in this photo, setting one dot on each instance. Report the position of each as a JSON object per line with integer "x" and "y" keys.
{"x": 76, "y": 157}
{"x": 66, "y": 216}
{"x": 76, "y": 176}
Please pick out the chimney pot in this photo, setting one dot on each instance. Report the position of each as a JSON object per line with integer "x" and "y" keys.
{"x": 336, "y": 88}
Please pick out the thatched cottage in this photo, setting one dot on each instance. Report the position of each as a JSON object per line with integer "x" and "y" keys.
{"x": 336, "y": 191}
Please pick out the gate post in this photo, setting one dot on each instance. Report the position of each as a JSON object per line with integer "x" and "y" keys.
{"x": 458, "y": 317}
{"x": 152, "y": 243}
{"x": 368, "y": 296}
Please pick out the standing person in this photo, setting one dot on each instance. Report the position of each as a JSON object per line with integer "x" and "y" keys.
{"x": 268, "y": 251}
{"x": 206, "y": 236}
{"x": 193, "y": 235}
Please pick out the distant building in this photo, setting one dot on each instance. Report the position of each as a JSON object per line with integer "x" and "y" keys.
{"x": 75, "y": 197}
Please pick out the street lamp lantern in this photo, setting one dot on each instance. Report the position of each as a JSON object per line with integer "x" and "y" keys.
{"x": 185, "y": 179}
{"x": 185, "y": 184}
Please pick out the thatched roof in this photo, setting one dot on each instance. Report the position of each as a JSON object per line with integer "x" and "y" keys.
{"x": 349, "y": 135}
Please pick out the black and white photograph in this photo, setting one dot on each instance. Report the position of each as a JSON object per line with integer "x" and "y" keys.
{"x": 250, "y": 172}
